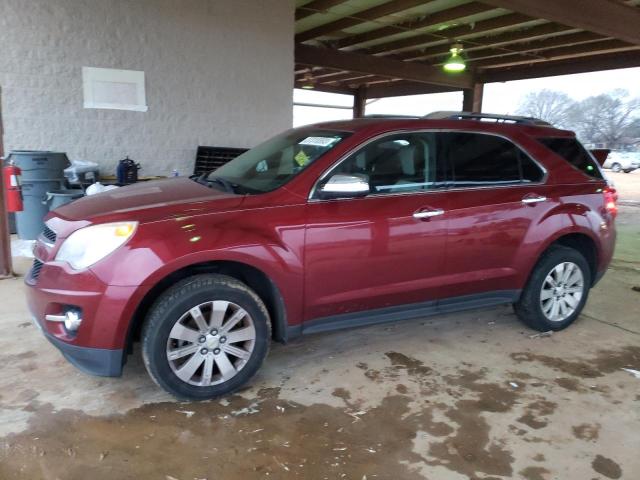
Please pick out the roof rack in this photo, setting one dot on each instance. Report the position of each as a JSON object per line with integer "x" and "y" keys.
{"x": 384, "y": 115}
{"x": 496, "y": 118}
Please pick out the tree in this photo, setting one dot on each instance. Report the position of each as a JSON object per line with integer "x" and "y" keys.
{"x": 549, "y": 105}
{"x": 606, "y": 118}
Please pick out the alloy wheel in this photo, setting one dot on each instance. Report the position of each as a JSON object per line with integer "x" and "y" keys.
{"x": 211, "y": 343}
{"x": 562, "y": 291}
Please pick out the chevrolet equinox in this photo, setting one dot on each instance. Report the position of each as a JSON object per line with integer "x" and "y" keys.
{"x": 327, "y": 226}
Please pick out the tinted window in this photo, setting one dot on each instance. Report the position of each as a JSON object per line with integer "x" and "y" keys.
{"x": 574, "y": 153}
{"x": 398, "y": 163}
{"x": 478, "y": 159}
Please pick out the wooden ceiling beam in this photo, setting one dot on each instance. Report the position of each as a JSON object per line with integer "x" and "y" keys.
{"x": 437, "y": 18}
{"x": 402, "y": 88}
{"x": 610, "y": 18}
{"x": 418, "y": 41}
{"x": 563, "y": 52}
{"x": 321, "y": 87}
{"x": 506, "y": 39}
{"x": 316, "y": 6}
{"x": 540, "y": 48}
{"x": 385, "y": 67}
{"x": 363, "y": 16}
{"x": 592, "y": 63}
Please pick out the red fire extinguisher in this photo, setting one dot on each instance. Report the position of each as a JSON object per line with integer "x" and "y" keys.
{"x": 13, "y": 192}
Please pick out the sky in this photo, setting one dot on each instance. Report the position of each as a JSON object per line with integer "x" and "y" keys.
{"x": 498, "y": 97}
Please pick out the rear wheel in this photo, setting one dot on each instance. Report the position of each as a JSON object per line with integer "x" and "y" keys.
{"x": 616, "y": 167}
{"x": 556, "y": 291}
{"x": 205, "y": 337}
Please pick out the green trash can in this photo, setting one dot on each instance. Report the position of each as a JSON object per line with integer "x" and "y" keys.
{"x": 42, "y": 172}
{"x": 57, "y": 198}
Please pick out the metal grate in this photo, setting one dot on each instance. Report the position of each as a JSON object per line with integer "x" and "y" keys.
{"x": 210, "y": 158}
{"x": 49, "y": 234}
{"x": 35, "y": 269}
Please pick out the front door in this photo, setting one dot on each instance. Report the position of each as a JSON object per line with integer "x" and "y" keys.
{"x": 384, "y": 249}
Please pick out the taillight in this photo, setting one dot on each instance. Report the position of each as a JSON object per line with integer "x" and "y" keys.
{"x": 610, "y": 199}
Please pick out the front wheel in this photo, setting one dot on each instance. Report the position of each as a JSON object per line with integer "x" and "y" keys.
{"x": 616, "y": 167}
{"x": 205, "y": 337}
{"x": 556, "y": 291}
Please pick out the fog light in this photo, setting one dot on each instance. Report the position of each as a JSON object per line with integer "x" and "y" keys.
{"x": 71, "y": 320}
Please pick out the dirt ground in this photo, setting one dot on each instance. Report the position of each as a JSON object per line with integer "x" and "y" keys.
{"x": 472, "y": 395}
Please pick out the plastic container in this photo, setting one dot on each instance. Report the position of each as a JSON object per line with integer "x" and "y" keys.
{"x": 42, "y": 172}
{"x": 57, "y": 198}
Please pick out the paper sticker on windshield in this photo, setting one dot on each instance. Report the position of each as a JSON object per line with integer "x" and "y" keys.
{"x": 301, "y": 158}
{"x": 318, "y": 141}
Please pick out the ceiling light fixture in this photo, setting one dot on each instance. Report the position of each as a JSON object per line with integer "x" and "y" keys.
{"x": 455, "y": 63}
{"x": 308, "y": 82}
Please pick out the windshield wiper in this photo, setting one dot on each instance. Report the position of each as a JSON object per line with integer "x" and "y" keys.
{"x": 226, "y": 184}
{"x": 204, "y": 179}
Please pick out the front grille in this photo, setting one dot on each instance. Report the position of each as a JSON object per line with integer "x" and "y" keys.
{"x": 49, "y": 234}
{"x": 35, "y": 269}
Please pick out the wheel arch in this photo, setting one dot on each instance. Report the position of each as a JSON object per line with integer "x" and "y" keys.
{"x": 253, "y": 277}
{"x": 579, "y": 241}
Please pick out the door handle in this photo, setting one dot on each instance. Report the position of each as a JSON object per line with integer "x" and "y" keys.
{"x": 533, "y": 199}
{"x": 428, "y": 213}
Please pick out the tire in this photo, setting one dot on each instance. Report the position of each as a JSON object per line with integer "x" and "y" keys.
{"x": 178, "y": 351}
{"x": 531, "y": 307}
{"x": 616, "y": 167}
{"x": 628, "y": 170}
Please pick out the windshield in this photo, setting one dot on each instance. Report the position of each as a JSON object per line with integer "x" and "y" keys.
{"x": 274, "y": 162}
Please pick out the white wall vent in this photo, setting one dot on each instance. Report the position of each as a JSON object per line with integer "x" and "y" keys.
{"x": 114, "y": 89}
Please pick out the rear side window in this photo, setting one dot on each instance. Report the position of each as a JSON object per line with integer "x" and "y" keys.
{"x": 574, "y": 153}
{"x": 481, "y": 160}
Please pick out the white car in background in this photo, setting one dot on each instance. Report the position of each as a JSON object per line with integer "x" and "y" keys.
{"x": 623, "y": 161}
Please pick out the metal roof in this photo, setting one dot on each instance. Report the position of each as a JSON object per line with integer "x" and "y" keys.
{"x": 396, "y": 47}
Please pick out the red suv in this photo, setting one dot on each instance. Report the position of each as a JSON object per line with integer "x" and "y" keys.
{"x": 327, "y": 226}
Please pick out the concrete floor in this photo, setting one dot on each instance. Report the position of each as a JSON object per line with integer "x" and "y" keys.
{"x": 469, "y": 395}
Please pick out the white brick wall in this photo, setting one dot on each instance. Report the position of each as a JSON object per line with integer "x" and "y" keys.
{"x": 218, "y": 72}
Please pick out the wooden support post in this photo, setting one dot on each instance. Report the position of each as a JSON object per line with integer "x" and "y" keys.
{"x": 6, "y": 268}
{"x": 359, "y": 102}
{"x": 472, "y": 98}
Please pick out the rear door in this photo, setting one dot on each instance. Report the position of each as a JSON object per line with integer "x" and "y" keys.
{"x": 387, "y": 248}
{"x": 496, "y": 192}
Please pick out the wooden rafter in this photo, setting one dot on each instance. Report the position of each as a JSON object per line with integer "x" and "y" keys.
{"x": 316, "y": 6}
{"x": 363, "y": 16}
{"x": 570, "y": 66}
{"x": 610, "y": 18}
{"x": 599, "y": 48}
{"x": 438, "y": 18}
{"x": 506, "y": 40}
{"x": 385, "y": 67}
{"x": 454, "y": 33}
{"x": 540, "y": 48}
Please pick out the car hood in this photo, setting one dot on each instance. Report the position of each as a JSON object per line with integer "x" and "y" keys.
{"x": 148, "y": 201}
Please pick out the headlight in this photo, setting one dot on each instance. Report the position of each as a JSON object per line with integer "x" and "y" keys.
{"x": 89, "y": 245}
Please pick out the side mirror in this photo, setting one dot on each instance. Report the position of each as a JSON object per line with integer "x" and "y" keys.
{"x": 344, "y": 186}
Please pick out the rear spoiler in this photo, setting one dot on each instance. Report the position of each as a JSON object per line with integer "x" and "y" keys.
{"x": 600, "y": 154}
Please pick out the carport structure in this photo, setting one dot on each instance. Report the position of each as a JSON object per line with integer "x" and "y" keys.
{"x": 385, "y": 48}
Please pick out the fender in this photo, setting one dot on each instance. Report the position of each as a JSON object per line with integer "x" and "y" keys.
{"x": 247, "y": 237}
{"x": 563, "y": 219}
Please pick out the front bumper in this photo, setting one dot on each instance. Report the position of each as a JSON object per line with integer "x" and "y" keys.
{"x": 98, "y": 347}
{"x": 101, "y": 362}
